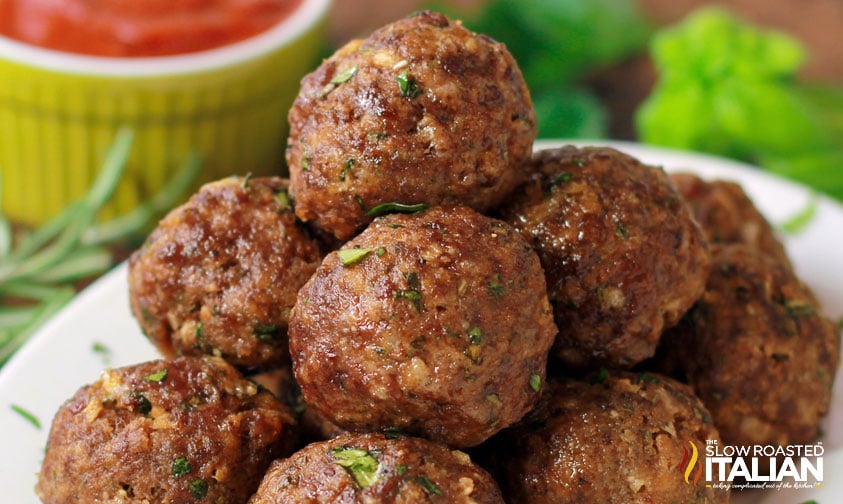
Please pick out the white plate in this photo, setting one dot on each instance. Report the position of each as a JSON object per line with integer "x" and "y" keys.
{"x": 61, "y": 357}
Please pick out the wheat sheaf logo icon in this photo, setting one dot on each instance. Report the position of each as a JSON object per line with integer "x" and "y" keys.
{"x": 689, "y": 462}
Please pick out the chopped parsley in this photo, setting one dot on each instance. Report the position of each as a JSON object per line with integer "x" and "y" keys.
{"x": 620, "y": 231}
{"x": 647, "y": 377}
{"x": 344, "y": 76}
{"x": 381, "y": 251}
{"x": 198, "y": 489}
{"x": 181, "y": 467}
{"x": 413, "y": 293}
{"x": 475, "y": 335}
{"x": 157, "y": 376}
{"x": 267, "y": 333}
{"x": 359, "y": 463}
{"x": 282, "y": 197}
{"x": 102, "y": 350}
{"x": 350, "y": 256}
{"x": 26, "y": 415}
{"x": 428, "y": 485}
{"x": 560, "y": 178}
{"x": 144, "y": 406}
{"x": 407, "y": 85}
{"x": 348, "y": 166}
{"x": 601, "y": 376}
{"x": 495, "y": 286}
{"x": 536, "y": 382}
{"x": 396, "y": 207}
{"x": 799, "y": 221}
{"x": 400, "y": 469}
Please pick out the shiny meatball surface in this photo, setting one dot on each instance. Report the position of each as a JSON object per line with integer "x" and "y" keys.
{"x": 219, "y": 274}
{"x": 757, "y": 350}
{"x": 422, "y": 111}
{"x": 436, "y": 323}
{"x": 187, "y": 430}
{"x": 617, "y": 438}
{"x": 371, "y": 468}
{"x": 623, "y": 257}
{"x": 727, "y": 215}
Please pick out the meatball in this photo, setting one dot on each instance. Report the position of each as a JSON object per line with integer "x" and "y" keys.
{"x": 624, "y": 259}
{"x": 422, "y": 111}
{"x": 757, "y": 350}
{"x": 727, "y": 215}
{"x": 618, "y": 438}
{"x": 184, "y": 430}
{"x": 436, "y": 323}
{"x": 219, "y": 275}
{"x": 367, "y": 468}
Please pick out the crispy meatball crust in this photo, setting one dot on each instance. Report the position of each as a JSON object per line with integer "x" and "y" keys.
{"x": 622, "y": 255}
{"x": 422, "y": 111}
{"x": 757, "y": 350}
{"x": 219, "y": 275}
{"x": 617, "y": 438}
{"x": 727, "y": 215}
{"x": 371, "y": 468}
{"x": 190, "y": 429}
{"x": 442, "y": 329}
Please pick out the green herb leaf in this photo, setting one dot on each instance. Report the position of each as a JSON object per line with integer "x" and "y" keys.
{"x": 535, "y": 382}
{"x": 400, "y": 469}
{"x": 26, "y": 415}
{"x": 352, "y": 255}
{"x": 348, "y": 166}
{"x": 800, "y": 220}
{"x": 267, "y": 333}
{"x": 144, "y": 406}
{"x": 282, "y": 197}
{"x": 600, "y": 377}
{"x": 380, "y": 251}
{"x": 428, "y": 485}
{"x": 157, "y": 376}
{"x": 396, "y": 207}
{"x": 345, "y": 75}
{"x": 560, "y": 178}
{"x": 362, "y": 466}
{"x": 647, "y": 377}
{"x": 181, "y": 467}
{"x": 407, "y": 85}
{"x": 198, "y": 489}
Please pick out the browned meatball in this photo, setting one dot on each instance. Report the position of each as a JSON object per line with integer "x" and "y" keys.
{"x": 617, "y": 438}
{"x": 371, "y": 468}
{"x": 188, "y": 430}
{"x": 727, "y": 215}
{"x": 422, "y": 111}
{"x": 622, "y": 255}
{"x": 220, "y": 274}
{"x": 436, "y": 323}
{"x": 757, "y": 350}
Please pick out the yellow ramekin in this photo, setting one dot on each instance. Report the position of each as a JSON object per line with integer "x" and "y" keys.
{"x": 59, "y": 113}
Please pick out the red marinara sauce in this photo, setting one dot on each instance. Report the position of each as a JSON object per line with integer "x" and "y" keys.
{"x": 137, "y": 28}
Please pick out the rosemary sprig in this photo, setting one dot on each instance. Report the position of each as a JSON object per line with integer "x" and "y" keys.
{"x": 39, "y": 268}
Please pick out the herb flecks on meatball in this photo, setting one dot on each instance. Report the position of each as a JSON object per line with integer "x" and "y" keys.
{"x": 422, "y": 111}
{"x": 187, "y": 430}
{"x": 369, "y": 468}
{"x": 436, "y": 323}
{"x": 624, "y": 259}
{"x": 616, "y": 437}
{"x": 219, "y": 275}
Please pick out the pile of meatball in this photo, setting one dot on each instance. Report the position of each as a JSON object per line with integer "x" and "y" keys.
{"x": 435, "y": 313}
